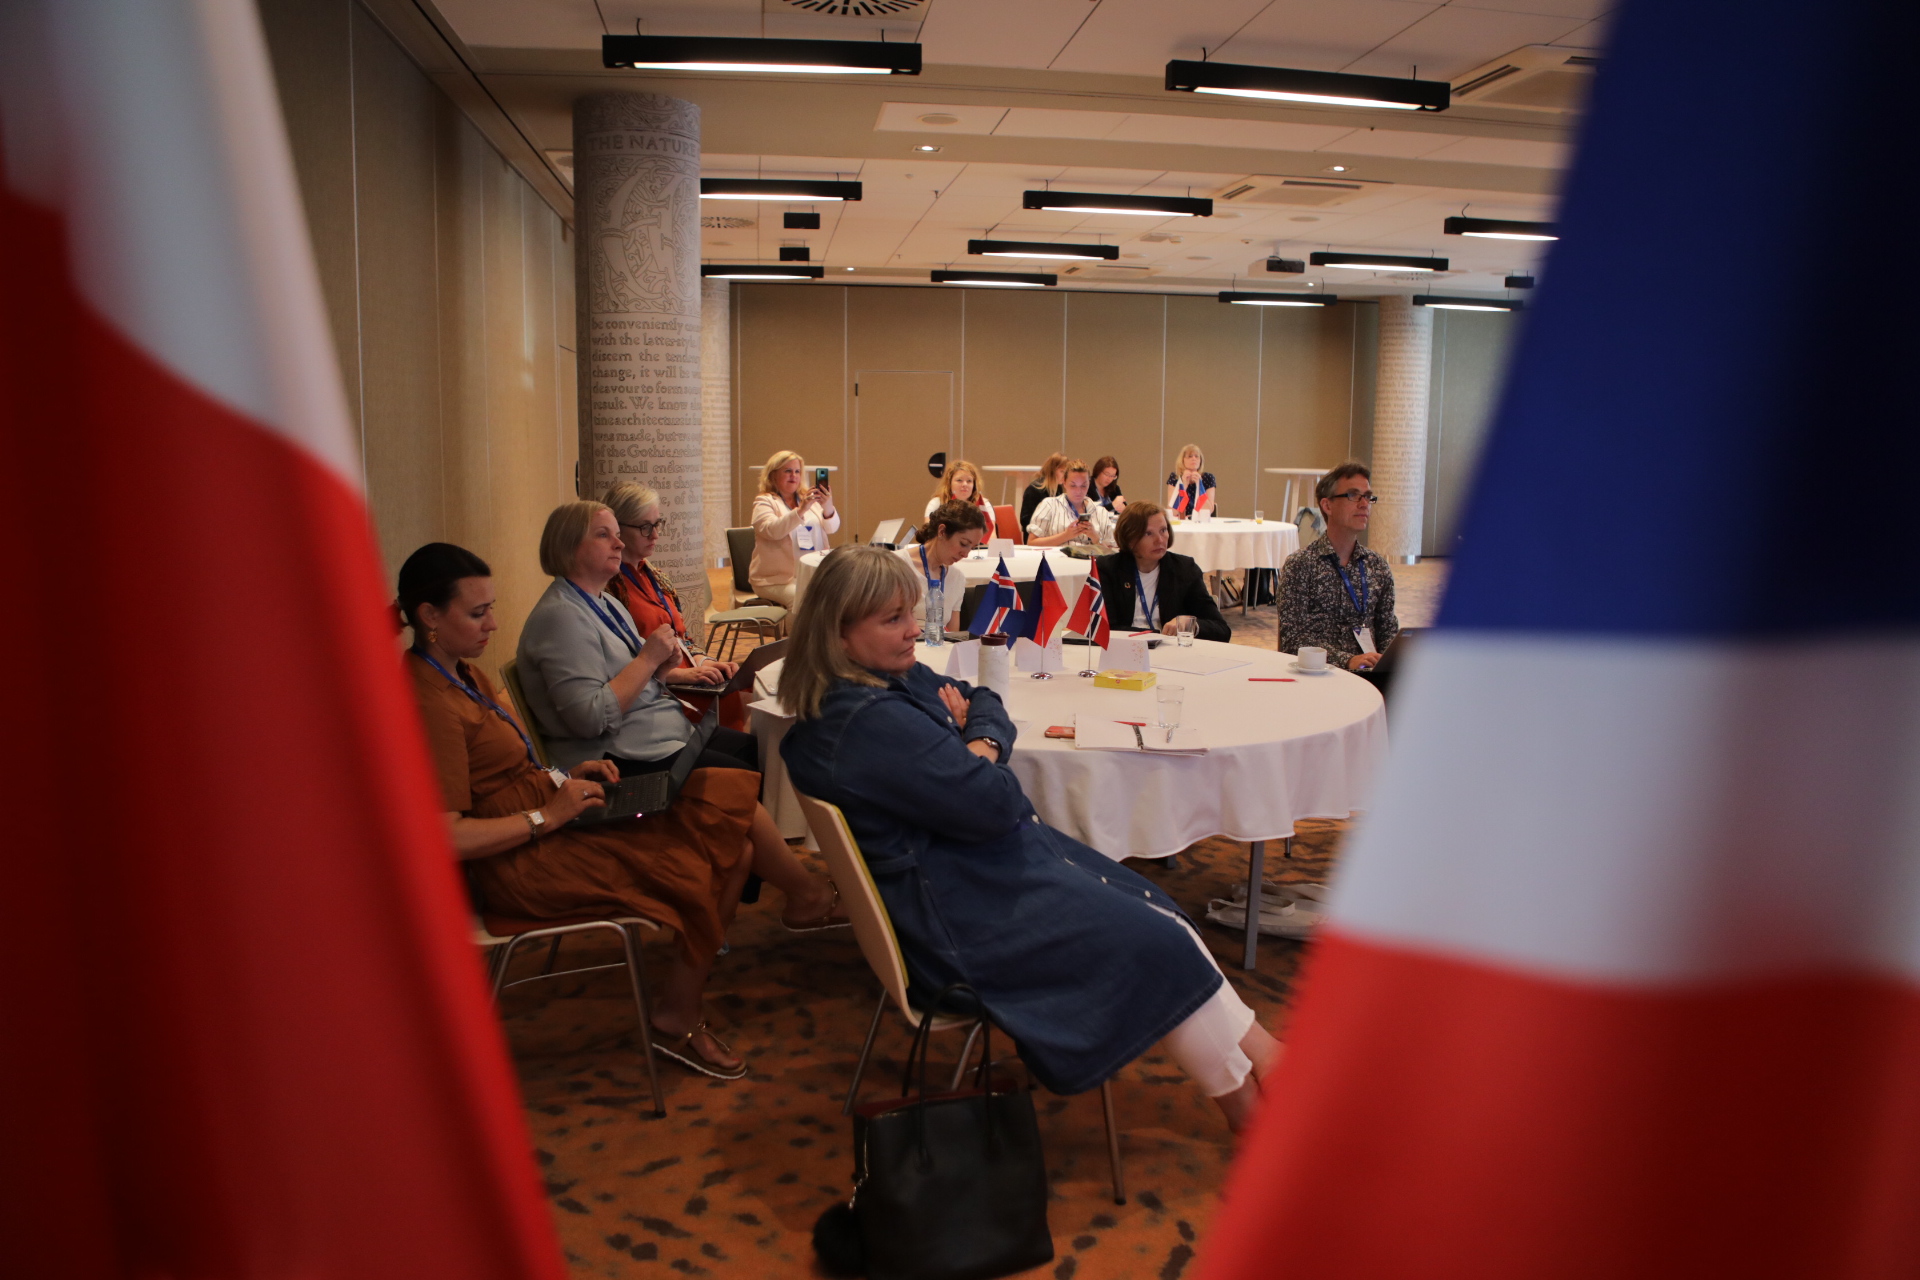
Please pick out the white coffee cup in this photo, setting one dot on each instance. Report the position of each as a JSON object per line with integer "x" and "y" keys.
{"x": 1312, "y": 658}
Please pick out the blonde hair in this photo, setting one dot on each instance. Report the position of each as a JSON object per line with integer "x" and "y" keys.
{"x": 629, "y": 501}
{"x": 777, "y": 461}
{"x": 944, "y": 490}
{"x": 852, "y": 584}
{"x": 566, "y": 529}
{"x": 1055, "y": 464}
{"x": 1180, "y": 459}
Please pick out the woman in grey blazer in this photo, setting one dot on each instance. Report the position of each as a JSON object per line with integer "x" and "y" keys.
{"x": 597, "y": 689}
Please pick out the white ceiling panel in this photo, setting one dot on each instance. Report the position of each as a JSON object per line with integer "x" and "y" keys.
{"x": 1401, "y": 144}
{"x": 1137, "y": 37}
{"x": 526, "y": 24}
{"x": 1000, "y": 33}
{"x": 1040, "y": 122}
{"x": 904, "y": 117}
{"x": 1585, "y": 10}
{"x": 1318, "y": 36}
{"x": 1203, "y": 131}
{"x": 1515, "y": 151}
{"x": 1449, "y": 41}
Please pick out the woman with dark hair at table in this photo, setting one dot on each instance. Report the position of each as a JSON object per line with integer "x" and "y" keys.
{"x": 948, "y": 537}
{"x": 1084, "y": 963}
{"x": 597, "y": 690}
{"x": 1106, "y": 484}
{"x": 1149, "y": 587}
{"x": 508, "y": 817}
{"x": 1052, "y": 477}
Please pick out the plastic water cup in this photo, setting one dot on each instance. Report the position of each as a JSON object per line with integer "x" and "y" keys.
{"x": 1183, "y": 631}
{"x": 1169, "y": 698}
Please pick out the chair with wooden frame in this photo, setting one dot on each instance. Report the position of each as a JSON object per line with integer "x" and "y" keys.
{"x": 873, "y": 929}
{"x": 1006, "y": 524}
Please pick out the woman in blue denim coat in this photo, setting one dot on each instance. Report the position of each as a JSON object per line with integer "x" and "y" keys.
{"x": 1083, "y": 963}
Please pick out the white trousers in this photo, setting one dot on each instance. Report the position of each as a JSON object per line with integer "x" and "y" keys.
{"x": 1207, "y": 1044}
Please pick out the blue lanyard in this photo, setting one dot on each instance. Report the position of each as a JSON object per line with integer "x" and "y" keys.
{"x": 1140, "y": 594}
{"x": 484, "y": 701}
{"x": 926, "y": 571}
{"x": 611, "y": 620}
{"x": 1359, "y": 601}
{"x": 650, "y": 589}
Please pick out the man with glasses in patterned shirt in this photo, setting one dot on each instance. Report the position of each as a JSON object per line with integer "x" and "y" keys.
{"x": 1335, "y": 593}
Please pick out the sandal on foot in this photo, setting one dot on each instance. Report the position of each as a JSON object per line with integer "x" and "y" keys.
{"x": 830, "y": 920}
{"x": 681, "y": 1050}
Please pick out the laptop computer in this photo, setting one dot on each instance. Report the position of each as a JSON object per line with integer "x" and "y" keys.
{"x": 743, "y": 679}
{"x": 651, "y": 792}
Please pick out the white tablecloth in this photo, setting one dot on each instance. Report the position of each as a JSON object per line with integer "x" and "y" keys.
{"x": 1023, "y": 565}
{"x": 1220, "y": 544}
{"x": 1277, "y": 753}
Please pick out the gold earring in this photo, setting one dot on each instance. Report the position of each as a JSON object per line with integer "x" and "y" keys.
{"x": 433, "y": 637}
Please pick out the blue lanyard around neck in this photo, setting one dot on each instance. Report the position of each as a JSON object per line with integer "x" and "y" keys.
{"x": 1359, "y": 601}
{"x": 483, "y": 700}
{"x": 1140, "y": 594}
{"x": 609, "y": 618}
{"x": 926, "y": 571}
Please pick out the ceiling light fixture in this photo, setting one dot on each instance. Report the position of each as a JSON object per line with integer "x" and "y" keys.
{"x": 1106, "y": 202}
{"x": 1439, "y": 303}
{"x": 1242, "y": 299}
{"x": 926, "y": 146}
{"x": 776, "y": 189}
{"x": 1325, "y": 88}
{"x": 1376, "y": 262}
{"x": 1043, "y": 249}
{"x": 1519, "y": 282}
{"x": 759, "y": 271}
{"x": 777, "y": 57}
{"x": 998, "y": 279}
{"x": 1500, "y": 229}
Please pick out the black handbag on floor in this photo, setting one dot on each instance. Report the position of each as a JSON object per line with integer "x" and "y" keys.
{"x": 949, "y": 1186}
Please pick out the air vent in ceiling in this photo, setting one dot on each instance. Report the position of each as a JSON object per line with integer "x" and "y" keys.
{"x": 1270, "y": 189}
{"x": 1109, "y": 271}
{"x": 858, "y": 8}
{"x": 724, "y": 222}
{"x": 1536, "y": 78}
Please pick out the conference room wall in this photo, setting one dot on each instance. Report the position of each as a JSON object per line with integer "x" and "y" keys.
{"x": 1135, "y": 375}
{"x": 448, "y": 284}
{"x": 1470, "y": 351}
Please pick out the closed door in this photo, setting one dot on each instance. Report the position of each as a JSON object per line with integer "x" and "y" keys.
{"x": 901, "y": 417}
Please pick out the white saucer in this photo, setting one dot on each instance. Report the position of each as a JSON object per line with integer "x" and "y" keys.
{"x": 1295, "y": 666}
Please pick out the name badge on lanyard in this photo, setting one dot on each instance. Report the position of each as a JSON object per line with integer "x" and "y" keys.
{"x": 803, "y": 537}
{"x": 1362, "y": 634}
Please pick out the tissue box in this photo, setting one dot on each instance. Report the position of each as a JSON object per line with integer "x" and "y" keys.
{"x": 1135, "y": 680}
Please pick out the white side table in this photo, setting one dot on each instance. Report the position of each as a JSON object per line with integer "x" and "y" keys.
{"x": 1006, "y": 477}
{"x": 1295, "y": 478}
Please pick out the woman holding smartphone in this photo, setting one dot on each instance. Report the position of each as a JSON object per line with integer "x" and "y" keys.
{"x": 789, "y": 520}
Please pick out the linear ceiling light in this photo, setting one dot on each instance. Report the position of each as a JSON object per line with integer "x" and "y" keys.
{"x": 998, "y": 279}
{"x": 778, "y": 57}
{"x": 1376, "y": 262}
{"x": 1043, "y": 249}
{"x": 1279, "y": 299}
{"x": 759, "y": 271}
{"x": 1327, "y": 88}
{"x": 1106, "y": 202}
{"x": 1439, "y": 303}
{"x": 793, "y": 190}
{"x": 1500, "y": 229}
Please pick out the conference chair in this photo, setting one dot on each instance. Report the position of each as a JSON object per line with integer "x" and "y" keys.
{"x": 500, "y": 936}
{"x": 740, "y": 553}
{"x": 510, "y": 675}
{"x": 873, "y": 930}
{"x": 1006, "y": 524}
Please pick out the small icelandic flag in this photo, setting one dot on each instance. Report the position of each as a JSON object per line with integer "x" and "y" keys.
{"x": 1000, "y": 612}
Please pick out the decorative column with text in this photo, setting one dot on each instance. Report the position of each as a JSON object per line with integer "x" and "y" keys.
{"x": 716, "y": 413}
{"x": 636, "y": 163}
{"x": 1400, "y": 429}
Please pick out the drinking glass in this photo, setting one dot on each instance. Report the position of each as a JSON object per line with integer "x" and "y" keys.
{"x": 1183, "y": 630}
{"x": 1168, "y": 698}
{"x": 1259, "y": 517}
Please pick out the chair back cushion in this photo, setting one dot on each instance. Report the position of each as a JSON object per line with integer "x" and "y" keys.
{"x": 1006, "y": 524}
{"x": 871, "y": 927}
{"x": 510, "y": 675}
{"x": 740, "y": 552}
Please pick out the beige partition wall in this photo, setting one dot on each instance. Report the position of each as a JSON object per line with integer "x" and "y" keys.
{"x": 1470, "y": 350}
{"x": 449, "y": 286}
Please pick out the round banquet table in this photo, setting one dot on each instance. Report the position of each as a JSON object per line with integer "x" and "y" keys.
{"x": 1220, "y": 544}
{"x": 1023, "y": 565}
{"x": 1279, "y": 749}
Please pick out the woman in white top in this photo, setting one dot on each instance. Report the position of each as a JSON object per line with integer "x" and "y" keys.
{"x": 788, "y": 522}
{"x": 1070, "y": 515}
{"x": 961, "y": 483}
{"x": 951, "y": 532}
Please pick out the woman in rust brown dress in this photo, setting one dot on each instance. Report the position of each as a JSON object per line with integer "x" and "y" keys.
{"x": 508, "y": 816}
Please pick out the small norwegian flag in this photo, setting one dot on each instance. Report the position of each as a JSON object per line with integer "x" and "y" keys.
{"x": 1090, "y": 610}
{"x": 1000, "y": 612}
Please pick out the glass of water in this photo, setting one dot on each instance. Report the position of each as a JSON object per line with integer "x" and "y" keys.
{"x": 1169, "y": 698}
{"x": 1184, "y": 628}
{"x": 1259, "y": 517}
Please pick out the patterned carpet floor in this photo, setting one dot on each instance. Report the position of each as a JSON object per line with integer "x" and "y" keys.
{"x": 730, "y": 1181}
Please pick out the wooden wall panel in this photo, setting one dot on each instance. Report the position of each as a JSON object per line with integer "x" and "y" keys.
{"x": 1011, "y": 393}
{"x": 461, "y": 158}
{"x": 1213, "y": 389}
{"x": 1470, "y": 351}
{"x": 1114, "y": 373}
{"x": 792, "y": 392}
{"x": 1306, "y": 393}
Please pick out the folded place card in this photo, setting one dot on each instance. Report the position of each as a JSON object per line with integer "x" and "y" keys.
{"x": 1000, "y": 548}
{"x": 1033, "y": 657}
{"x": 963, "y": 662}
{"x": 1127, "y": 652}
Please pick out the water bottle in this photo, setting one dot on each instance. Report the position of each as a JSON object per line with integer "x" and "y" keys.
{"x": 936, "y": 615}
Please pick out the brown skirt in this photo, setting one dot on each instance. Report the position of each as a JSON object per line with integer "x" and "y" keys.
{"x": 669, "y": 868}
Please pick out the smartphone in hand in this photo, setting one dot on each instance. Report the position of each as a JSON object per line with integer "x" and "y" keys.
{"x": 820, "y": 478}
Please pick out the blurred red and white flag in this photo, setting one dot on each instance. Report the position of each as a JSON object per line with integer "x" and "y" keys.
{"x": 244, "y": 1033}
{"x": 1622, "y": 973}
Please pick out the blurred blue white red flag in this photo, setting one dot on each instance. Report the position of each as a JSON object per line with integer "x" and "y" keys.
{"x": 1622, "y": 977}
{"x": 1000, "y": 612}
{"x": 244, "y": 1031}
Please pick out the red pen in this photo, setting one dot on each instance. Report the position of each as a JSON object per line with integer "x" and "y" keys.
{"x": 1138, "y": 724}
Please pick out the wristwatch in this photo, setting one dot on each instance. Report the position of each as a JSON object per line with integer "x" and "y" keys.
{"x": 536, "y": 822}
{"x": 994, "y": 743}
